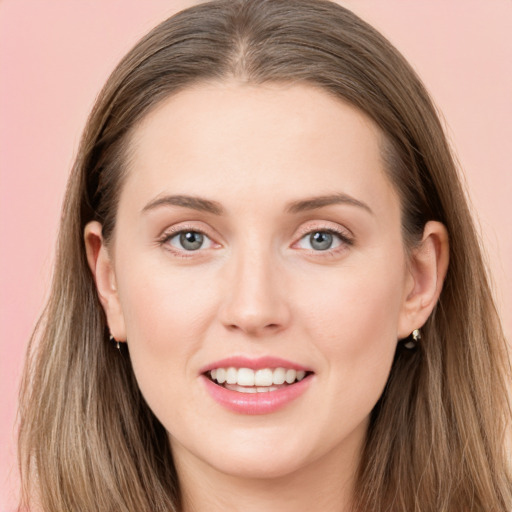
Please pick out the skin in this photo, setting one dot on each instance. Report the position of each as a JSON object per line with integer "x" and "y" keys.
{"x": 258, "y": 287}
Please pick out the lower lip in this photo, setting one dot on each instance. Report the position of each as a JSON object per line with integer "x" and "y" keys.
{"x": 256, "y": 403}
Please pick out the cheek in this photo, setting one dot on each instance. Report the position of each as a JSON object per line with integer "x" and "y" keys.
{"x": 353, "y": 324}
{"x": 159, "y": 300}
{"x": 357, "y": 299}
{"x": 167, "y": 313}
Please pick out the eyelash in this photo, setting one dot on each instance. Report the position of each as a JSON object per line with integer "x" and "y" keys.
{"x": 344, "y": 238}
{"x": 168, "y": 235}
{"x": 345, "y": 241}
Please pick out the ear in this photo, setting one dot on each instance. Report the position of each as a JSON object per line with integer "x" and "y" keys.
{"x": 102, "y": 269}
{"x": 428, "y": 264}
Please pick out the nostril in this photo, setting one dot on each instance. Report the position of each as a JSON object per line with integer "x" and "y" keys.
{"x": 253, "y": 327}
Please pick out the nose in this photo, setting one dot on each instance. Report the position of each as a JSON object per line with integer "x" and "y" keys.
{"x": 255, "y": 300}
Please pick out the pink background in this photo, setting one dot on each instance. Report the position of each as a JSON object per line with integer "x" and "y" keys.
{"x": 55, "y": 56}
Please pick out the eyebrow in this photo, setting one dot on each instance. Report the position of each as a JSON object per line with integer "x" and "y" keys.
{"x": 209, "y": 206}
{"x": 193, "y": 202}
{"x": 314, "y": 203}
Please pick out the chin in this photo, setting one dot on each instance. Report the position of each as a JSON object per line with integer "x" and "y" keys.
{"x": 257, "y": 467}
{"x": 266, "y": 454}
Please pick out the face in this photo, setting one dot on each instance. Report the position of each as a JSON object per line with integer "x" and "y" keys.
{"x": 258, "y": 236}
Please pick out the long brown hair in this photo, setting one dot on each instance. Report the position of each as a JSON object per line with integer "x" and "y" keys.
{"x": 436, "y": 440}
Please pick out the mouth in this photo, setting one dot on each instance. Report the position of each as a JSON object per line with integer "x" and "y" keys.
{"x": 261, "y": 385}
{"x": 263, "y": 380}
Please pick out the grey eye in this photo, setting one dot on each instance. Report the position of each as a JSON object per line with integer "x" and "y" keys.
{"x": 321, "y": 240}
{"x": 188, "y": 240}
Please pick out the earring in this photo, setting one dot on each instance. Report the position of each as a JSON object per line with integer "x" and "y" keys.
{"x": 118, "y": 345}
{"x": 415, "y": 338}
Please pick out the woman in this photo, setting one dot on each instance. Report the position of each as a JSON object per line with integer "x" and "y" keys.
{"x": 268, "y": 288}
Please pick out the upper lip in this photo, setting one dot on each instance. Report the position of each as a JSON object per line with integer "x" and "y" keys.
{"x": 257, "y": 363}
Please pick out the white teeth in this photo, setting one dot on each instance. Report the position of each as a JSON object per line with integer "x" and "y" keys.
{"x": 242, "y": 389}
{"x": 231, "y": 376}
{"x": 279, "y": 376}
{"x": 245, "y": 377}
{"x": 261, "y": 380}
{"x": 250, "y": 389}
{"x": 263, "y": 377}
{"x": 291, "y": 375}
{"x": 221, "y": 375}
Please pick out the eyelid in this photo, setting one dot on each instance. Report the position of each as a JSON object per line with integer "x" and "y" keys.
{"x": 175, "y": 230}
{"x": 345, "y": 236}
{"x": 312, "y": 227}
{"x": 177, "y": 236}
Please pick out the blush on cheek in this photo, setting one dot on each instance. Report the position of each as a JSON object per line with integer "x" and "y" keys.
{"x": 155, "y": 302}
{"x": 359, "y": 324}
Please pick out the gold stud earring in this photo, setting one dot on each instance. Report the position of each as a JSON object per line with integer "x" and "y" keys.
{"x": 413, "y": 340}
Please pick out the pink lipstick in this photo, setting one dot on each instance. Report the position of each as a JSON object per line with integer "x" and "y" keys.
{"x": 255, "y": 386}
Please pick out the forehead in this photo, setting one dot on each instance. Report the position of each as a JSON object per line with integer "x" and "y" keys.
{"x": 230, "y": 138}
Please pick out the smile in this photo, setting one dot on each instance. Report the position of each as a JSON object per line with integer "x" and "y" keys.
{"x": 247, "y": 380}
{"x": 256, "y": 386}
